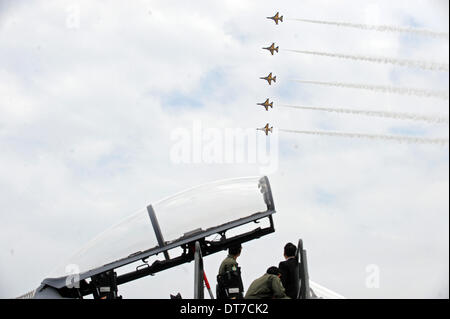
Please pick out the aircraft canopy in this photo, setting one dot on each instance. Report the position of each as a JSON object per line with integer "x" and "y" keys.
{"x": 175, "y": 218}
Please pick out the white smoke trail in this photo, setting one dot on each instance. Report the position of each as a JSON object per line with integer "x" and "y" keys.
{"x": 426, "y": 65}
{"x": 394, "y": 115}
{"x": 400, "y": 139}
{"x": 385, "y": 89}
{"x": 380, "y": 28}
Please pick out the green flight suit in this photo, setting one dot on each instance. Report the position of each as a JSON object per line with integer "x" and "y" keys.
{"x": 228, "y": 264}
{"x": 266, "y": 287}
{"x": 229, "y": 281}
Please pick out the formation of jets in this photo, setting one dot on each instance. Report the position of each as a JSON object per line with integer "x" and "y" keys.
{"x": 276, "y": 18}
{"x": 266, "y": 104}
{"x": 270, "y": 78}
{"x": 266, "y": 129}
{"x": 272, "y": 48}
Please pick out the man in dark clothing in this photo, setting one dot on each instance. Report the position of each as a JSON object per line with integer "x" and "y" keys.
{"x": 268, "y": 286}
{"x": 288, "y": 269}
{"x": 229, "y": 281}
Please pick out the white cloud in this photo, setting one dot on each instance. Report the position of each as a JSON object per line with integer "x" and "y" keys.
{"x": 86, "y": 116}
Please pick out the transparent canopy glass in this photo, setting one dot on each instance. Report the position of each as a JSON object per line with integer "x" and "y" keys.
{"x": 133, "y": 234}
{"x": 196, "y": 209}
{"x": 208, "y": 206}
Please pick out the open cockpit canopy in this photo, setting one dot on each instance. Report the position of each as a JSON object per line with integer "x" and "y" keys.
{"x": 184, "y": 217}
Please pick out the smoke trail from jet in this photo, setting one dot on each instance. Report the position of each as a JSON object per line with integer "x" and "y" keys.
{"x": 385, "y": 89}
{"x": 380, "y": 28}
{"x": 436, "y": 119}
{"x": 400, "y": 139}
{"x": 426, "y": 65}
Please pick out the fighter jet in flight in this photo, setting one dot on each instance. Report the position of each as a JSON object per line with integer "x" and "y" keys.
{"x": 269, "y": 78}
{"x": 272, "y": 48}
{"x": 276, "y": 18}
{"x": 265, "y": 129}
{"x": 266, "y": 104}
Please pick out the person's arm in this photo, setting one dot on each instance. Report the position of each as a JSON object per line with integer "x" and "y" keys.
{"x": 284, "y": 271}
{"x": 278, "y": 289}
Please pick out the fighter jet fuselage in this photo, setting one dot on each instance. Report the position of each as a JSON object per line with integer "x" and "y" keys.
{"x": 272, "y": 48}
{"x": 269, "y": 78}
{"x": 276, "y": 18}
{"x": 266, "y": 104}
{"x": 266, "y": 129}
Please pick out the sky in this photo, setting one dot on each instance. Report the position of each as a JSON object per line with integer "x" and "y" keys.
{"x": 97, "y": 98}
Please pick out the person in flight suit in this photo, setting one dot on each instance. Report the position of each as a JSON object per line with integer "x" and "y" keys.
{"x": 288, "y": 269}
{"x": 268, "y": 286}
{"x": 229, "y": 281}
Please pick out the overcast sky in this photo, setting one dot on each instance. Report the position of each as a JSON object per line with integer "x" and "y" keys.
{"x": 91, "y": 93}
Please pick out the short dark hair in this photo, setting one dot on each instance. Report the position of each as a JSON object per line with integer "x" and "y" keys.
{"x": 290, "y": 250}
{"x": 273, "y": 271}
{"x": 235, "y": 250}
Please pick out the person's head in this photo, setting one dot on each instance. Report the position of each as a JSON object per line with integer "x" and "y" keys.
{"x": 235, "y": 250}
{"x": 289, "y": 250}
{"x": 273, "y": 271}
